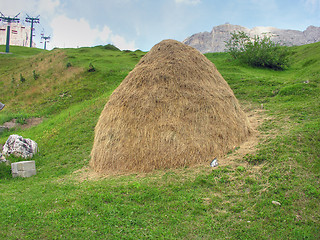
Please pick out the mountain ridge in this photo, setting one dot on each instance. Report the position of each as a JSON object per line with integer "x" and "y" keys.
{"x": 214, "y": 41}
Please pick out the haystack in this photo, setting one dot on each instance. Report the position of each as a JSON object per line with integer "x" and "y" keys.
{"x": 174, "y": 109}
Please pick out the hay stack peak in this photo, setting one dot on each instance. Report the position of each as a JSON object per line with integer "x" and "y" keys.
{"x": 174, "y": 109}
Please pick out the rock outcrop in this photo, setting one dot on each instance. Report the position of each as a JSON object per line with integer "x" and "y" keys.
{"x": 215, "y": 40}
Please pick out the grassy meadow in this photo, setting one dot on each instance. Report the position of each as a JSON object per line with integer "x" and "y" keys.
{"x": 68, "y": 89}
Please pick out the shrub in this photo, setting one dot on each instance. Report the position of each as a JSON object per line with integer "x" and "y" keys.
{"x": 68, "y": 65}
{"x": 22, "y": 79}
{"x": 257, "y": 51}
{"x": 35, "y": 75}
{"x": 91, "y": 68}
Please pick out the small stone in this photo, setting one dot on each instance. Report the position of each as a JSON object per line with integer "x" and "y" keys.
{"x": 214, "y": 163}
{"x": 276, "y": 203}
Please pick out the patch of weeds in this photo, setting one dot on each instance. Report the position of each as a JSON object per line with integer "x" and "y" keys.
{"x": 312, "y": 191}
{"x": 275, "y": 92}
{"x": 275, "y": 176}
{"x": 22, "y": 79}
{"x": 204, "y": 180}
{"x": 5, "y": 171}
{"x": 134, "y": 185}
{"x": 91, "y": 68}
{"x": 224, "y": 179}
{"x": 21, "y": 120}
{"x": 254, "y": 159}
{"x": 35, "y": 75}
{"x": 241, "y": 168}
{"x": 250, "y": 180}
{"x": 68, "y": 65}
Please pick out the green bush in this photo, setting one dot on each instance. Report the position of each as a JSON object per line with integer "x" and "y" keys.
{"x": 22, "y": 79}
{"x": 257, "y": 51}
{"x": 35, "y": 75}
{"x": 68, "y": 65}
{"x": 91, "y": 68}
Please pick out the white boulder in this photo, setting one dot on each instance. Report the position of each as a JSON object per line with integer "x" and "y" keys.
{"x": 20, "y": 147}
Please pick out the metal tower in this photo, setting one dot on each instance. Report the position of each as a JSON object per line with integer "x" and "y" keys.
{"x": 32, "y": 20}
{"x": 9, "y": 20}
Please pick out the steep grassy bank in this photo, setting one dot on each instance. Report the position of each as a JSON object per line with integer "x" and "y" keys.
{"x": 230, "y": 201}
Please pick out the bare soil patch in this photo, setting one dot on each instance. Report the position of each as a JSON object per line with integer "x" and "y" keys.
{"x": 30, "y": 122}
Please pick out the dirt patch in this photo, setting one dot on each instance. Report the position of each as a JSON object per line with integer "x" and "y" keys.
{"x": 28, "y": 123}
{"x": 32, "y": 122}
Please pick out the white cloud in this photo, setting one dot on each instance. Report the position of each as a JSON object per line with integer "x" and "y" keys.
{"x": 121, "y": 43}
{"x": 312, "y": 5}
{"x": 75, "y": 33}
{"x": 32, "y": 7}
{"x": 72, "y": 33}
{"x": 191, "y": 2}
{"x": 48, "y": 6}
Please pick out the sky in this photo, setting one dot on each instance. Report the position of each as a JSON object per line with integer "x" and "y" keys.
{"x": 140, "y": 24}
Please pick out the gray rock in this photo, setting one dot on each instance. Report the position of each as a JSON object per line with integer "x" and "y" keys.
{"x": 215, "y": 40}
{"x": 20, "y": 147}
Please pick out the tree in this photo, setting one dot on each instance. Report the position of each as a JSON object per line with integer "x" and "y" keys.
{"x": 257, "y": 51}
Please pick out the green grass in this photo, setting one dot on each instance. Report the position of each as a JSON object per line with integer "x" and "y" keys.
{"x": 227, "y": 202}
{"x": 20, "y": 51}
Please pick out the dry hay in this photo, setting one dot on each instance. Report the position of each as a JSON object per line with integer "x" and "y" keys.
{"x": 174, "y": 109}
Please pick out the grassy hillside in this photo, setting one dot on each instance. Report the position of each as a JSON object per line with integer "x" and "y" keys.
{"x": 231, "y": 201}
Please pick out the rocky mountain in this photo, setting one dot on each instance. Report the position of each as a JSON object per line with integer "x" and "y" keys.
{"x": 214, "y": 41}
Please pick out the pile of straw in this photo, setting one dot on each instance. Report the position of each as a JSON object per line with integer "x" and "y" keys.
{"x": 174, "y": 109}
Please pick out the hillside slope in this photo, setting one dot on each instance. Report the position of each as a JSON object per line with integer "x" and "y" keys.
{"x": 66, "y": 200}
